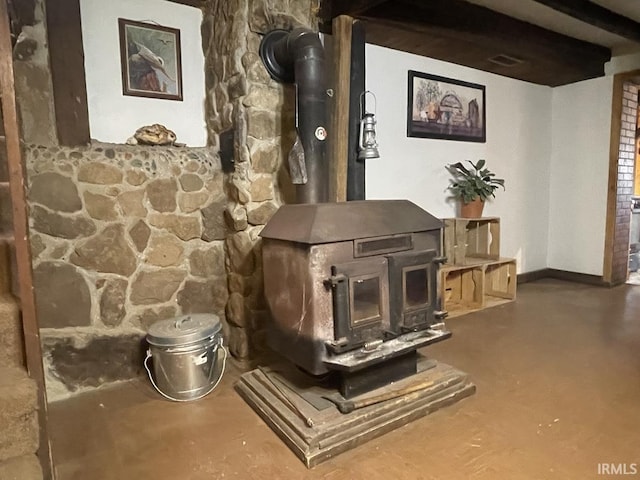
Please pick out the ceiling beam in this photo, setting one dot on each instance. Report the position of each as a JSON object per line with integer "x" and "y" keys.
{"x": 467, "y": 34}
{"x": 598, "y": 16}
{"x": 330, "y": 9}
{"x": 189, "y": 3}
{"x": 475, "y": 22}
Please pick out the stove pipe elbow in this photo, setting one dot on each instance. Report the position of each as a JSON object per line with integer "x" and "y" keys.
{"x": 298, "y": 57}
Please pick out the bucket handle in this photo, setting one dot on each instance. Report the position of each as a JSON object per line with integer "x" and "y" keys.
{"x": 168, "y": 397}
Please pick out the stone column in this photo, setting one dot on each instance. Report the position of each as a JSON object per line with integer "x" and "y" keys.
{"x": 241, "y": 96}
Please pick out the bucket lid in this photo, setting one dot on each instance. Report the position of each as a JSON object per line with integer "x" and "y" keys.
{"x": 183, "y": 330}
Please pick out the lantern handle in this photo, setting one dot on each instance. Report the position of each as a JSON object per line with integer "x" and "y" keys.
{"x": 363, "y": 108}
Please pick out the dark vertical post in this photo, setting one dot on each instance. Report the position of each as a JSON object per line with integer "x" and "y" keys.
{"x": 355, "y": 167}
{"x": 66, "y": 56}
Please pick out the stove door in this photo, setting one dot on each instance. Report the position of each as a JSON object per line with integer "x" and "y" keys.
{"x": 360, "y": 299}
{"x": 412, "y": 290}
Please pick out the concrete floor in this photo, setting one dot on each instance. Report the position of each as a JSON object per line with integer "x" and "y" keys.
{"x": 558, "y": 377}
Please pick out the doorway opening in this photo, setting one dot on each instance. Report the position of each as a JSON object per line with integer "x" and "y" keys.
{"x": 620, "y": 241}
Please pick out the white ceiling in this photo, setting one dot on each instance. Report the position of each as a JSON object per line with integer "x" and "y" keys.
{"x": 546, "y": 17}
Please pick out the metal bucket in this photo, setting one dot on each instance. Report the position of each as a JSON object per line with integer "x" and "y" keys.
{"x": 185, "y": 352}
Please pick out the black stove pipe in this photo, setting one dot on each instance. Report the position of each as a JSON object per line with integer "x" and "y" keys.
{"x": 298, "y": 57}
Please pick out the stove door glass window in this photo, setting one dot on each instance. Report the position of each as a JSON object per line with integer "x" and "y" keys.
{"x": 366, "y": 300}
{"x": 360, "y": 292}
{"x": 416, "y": 287}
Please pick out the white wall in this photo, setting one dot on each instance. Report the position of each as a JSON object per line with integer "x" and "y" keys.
{"x": 114, "y": 117}
{"x": 581, "y": 124}
{"x": 622, "y": 63}
{"x": 518, "y": 149}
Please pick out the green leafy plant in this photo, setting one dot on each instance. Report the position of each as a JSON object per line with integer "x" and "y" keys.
{"x": 470, "y": 183}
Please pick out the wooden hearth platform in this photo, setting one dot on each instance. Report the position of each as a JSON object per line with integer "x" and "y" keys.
{"x": 306, "y": 417}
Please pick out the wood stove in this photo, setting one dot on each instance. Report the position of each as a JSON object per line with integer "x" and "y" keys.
{"x": 352, "y": 288}
{"x": 352, "y": 293}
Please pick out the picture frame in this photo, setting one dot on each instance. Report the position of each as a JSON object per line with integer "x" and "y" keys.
{"x": 151, "y": 60}
{"x": 445, "y": 108}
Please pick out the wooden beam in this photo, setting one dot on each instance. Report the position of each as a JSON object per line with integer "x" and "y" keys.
{"x": 479, "y": 23}
{"x": 330, "y": 9}
{"x": 598, "y": 16}
{"x": 190, "y": 3}
{"x": 467, "y": 34}
{"x": 66, "y": 56}
{"x": 342, "y": 27}
{"x": 24, "y": 272}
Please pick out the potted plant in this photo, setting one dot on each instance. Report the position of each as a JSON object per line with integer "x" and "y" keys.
{"x": 472, "y": 186}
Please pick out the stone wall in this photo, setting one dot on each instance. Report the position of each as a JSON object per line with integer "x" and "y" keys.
{"x": 242, "y": 97}
{"x": 121, "y": 236}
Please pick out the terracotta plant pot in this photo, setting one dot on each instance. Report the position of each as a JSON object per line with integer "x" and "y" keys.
{"x": 472, "y": 209}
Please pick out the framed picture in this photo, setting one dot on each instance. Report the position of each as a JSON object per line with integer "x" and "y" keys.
{"x": 445, "y": 108}
{"x": 150, "y": 60}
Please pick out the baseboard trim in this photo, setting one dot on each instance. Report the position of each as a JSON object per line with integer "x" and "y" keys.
{"x": 578, "y": 277}
{"x": 533, "y": 276}
{"x": 565, "y": 275}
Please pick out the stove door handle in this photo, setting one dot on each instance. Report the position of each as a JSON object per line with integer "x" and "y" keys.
{"x": 440, "y": 260}
{"x": 340, "y": 288}
{"x": 371, "y": 346}
{"x": 440, "y": 314}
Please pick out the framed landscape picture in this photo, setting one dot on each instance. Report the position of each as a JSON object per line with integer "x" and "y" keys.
{"x": 444, "y": 108}
{"x": 150, "y": 60}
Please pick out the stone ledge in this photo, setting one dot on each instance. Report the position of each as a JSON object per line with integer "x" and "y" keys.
{"x": 161, "y": 161}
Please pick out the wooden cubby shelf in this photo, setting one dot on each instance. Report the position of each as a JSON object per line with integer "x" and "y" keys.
{"x": 476, "y": 277}
{"x": 471, "y": 238}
